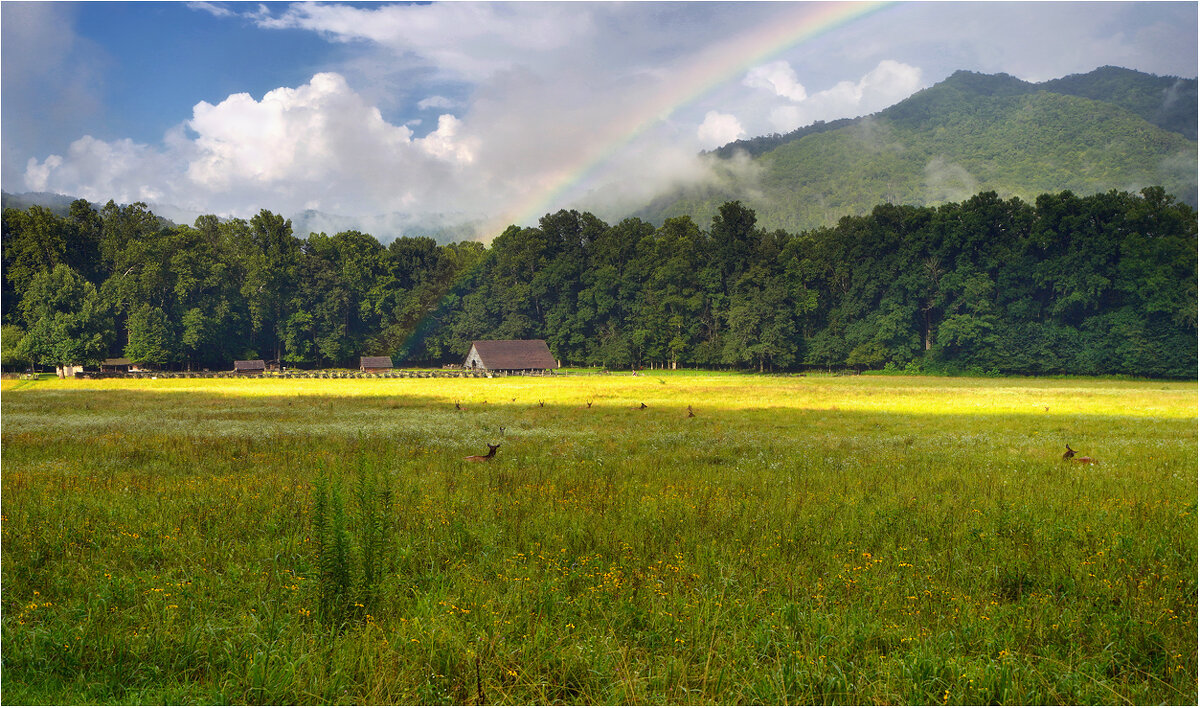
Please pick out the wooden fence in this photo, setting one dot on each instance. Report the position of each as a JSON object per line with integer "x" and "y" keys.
{"x": 444, "y": 374}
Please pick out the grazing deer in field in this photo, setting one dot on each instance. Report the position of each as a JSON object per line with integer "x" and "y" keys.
{"x": 484, "y": 458}
{"x": 1070, "y": 455}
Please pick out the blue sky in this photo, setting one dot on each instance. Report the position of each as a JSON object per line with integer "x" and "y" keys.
{"x": 395, "y": 114}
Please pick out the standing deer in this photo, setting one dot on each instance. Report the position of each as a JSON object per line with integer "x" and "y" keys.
{"x": 1070, "y": 455}
{"x": 484, "y": 458}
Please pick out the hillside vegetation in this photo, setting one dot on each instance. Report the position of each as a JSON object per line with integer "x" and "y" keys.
{"x": 1110, "y": 129}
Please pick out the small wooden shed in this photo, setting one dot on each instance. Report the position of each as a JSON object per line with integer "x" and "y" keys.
{"x": 513, "y": 355}
{"x": 252, "y": 366}
{"x": 113, "y": 366}
{"x": 374, "y": 364}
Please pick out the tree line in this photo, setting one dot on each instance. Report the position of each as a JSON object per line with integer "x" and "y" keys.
{"x": 1101, "y": 284}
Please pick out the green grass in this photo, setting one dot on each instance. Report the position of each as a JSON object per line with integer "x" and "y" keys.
{"x": 801, "y": 540}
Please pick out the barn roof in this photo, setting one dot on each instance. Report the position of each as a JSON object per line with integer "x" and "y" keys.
{"x": 250, "y": 365}
{"x": 375, "y": 362}
{"x": 500, "y": 354}
{"x": 117, "y": 362}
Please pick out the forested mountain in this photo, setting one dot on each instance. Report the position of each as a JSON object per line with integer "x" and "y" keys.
{"x": 58, "y": 204}
{"x": 1099, "y": 284}
{"x": 1109, "y": 129}
{"x": 1166, "y": 101}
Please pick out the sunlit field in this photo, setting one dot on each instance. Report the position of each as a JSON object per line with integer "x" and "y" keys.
{"x": 799, "y": 540}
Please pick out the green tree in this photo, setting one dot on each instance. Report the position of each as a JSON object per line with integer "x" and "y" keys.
{"x": 149, "y": 337}
{"x": 69, "y": 323}
{"x": 35, "y": 240}
{"x": 12, "y": 355}
{"x": 270, "y": 257}
{"x": 761, "y": 325}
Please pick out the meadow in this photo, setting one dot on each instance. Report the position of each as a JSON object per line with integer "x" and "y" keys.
{"x": 800, "y": 540}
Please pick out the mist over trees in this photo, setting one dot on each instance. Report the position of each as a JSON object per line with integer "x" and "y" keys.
{"x": 1102, "y": 284}
{"x": 1111, "y": 128}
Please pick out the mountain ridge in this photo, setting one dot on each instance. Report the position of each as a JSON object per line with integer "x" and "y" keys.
{"x": 968, "y": 133}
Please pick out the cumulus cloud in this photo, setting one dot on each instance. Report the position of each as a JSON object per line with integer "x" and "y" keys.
{"x": 317, "y": 145}
{"x": 719, "y": 129}
{"x": 888, "y": 83}
{"x": 778, "y": 77}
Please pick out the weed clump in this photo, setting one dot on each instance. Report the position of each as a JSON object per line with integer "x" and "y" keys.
{"x": 352, "y": 546}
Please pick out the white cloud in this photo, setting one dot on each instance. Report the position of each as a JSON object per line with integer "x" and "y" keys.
{"x": 778, "y": 77}
{"x": 440, "y": 102}
{"x": 97, "y": 170}
{"x": 214, "y": 9}
{"x": 719, "y": 129}
{"x": 317, "y": 144}
{"x": 443, "y": 143}
{"x": 471, "y": 39}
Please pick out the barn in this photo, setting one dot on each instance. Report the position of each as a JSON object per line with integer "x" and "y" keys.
{"x": 253, "y": 366}
{"x": 511, "y": 355}
{"x": 374, "y": 364}
{"x": 115, "y": 365}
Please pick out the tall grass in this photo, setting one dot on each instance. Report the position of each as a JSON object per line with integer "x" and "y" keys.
{"x": 807, "y": 540}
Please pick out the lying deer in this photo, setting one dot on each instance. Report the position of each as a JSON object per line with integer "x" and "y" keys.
{"x": 691, "y": 414}
{"x": 484, "y": 458}
{"x": 1070, "y": 455}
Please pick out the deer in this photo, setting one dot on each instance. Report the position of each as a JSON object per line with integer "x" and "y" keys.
{"x": 642, "y": 407}
{"x": 457, "y": 407}
{"x": 691, "y": 413}
{"x": 1070, "y": 455}
{"x": 484, "y": 458}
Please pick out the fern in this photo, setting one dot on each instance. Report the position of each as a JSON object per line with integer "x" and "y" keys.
{"x": 351, "y": 565}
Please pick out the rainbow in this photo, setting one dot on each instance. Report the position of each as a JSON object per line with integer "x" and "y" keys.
{"x": 714, "y": 68}
{"x": 719, "y": 65}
